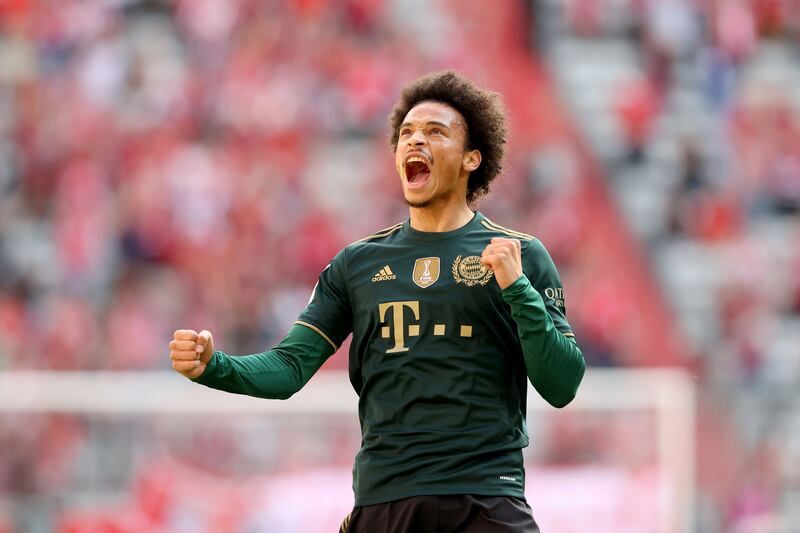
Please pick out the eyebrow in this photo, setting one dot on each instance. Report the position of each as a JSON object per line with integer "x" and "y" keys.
{"x": 429, "y": 123}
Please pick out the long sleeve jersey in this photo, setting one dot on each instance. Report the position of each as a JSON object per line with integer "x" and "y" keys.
{"x": 440, "y": 358}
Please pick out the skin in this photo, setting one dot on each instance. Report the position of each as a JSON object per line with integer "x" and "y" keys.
{"x": 437, "y": 132}
{"x": 191, "y": 351}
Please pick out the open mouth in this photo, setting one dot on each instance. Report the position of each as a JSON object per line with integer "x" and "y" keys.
{"x": 417, "y": 170}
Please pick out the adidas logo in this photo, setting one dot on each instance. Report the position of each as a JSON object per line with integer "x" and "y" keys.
{"x": 384, "y": 274}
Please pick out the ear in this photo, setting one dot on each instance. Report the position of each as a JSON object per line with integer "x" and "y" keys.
{"x": 471, "y": 160}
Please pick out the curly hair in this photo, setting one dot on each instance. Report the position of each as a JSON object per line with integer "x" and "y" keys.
{"x": 483, "y": 112}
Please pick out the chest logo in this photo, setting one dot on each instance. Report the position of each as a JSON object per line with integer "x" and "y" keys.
{"x": 384, "y": 274}
{"x": 426, "y": 271}
{"x": 470, "y": 271}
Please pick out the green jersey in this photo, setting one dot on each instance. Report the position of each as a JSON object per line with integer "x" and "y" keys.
{"x": 436, "y": 358}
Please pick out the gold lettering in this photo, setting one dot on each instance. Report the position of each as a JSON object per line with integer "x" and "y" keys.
{"x": 398, "y": 324}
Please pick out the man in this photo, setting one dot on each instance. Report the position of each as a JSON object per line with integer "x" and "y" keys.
{"x": 450, "y": 315}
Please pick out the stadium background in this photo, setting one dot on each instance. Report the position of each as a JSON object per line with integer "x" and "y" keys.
{"x": 196, "y": 163}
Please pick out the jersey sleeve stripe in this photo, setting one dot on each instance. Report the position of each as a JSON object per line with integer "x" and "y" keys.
{"x": 494, "y": 227}
{"x": 315, "y": 328}
{"x": 495, "y": 224}
{"x": 382, "y": 233}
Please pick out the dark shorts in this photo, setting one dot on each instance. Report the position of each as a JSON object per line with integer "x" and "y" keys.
{"x": 443, "y": 514}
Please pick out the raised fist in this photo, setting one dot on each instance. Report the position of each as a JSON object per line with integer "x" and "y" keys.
{"x": 191, "y": 351}
{"x": 504, "y": 257}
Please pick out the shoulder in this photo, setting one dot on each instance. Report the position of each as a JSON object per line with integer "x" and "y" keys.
{"x": 380, "y": 236}
{"x": 340, "y": 261}
{"x": 501, "y": 231}
{"x": 535, "y": 257}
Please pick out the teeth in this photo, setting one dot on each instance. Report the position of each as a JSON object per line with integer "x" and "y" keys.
{"x": 416, "y": 159}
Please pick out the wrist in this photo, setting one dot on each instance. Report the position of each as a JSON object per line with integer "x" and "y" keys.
{"x": 210, "y": 370}
{"x": 518, "y": 286}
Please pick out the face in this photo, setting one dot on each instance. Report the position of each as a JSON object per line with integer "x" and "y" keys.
{"x": 431, "y": 157}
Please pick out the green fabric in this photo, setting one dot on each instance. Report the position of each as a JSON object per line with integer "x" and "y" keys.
{"x": 275, "y": 374}
{"x": 554, "y": 363}
{"x": 440, "y": 414}
{"x": 440, "y": 358}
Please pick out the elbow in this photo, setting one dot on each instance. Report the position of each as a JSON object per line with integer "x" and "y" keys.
{"x": 561, "y": 401}
{"x": 558, "y": 397}
{"x": 288, "y": 391}
{"x": 559, "y": 386}
{"x": 283, "y": 394}
{"x": 568, "y": 391}
{"x": 272, "y": 394}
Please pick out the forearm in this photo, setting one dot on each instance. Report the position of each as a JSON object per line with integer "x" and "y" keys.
{"x": 554, "y": 363}
{"x": 277, "y": 373}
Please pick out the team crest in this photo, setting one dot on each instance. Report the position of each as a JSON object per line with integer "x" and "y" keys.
{"x": 470, "y": 271}
{"x": 426, "y": 271}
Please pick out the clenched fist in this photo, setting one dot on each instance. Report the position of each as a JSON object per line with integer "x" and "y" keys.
{"x": 191, "y": 351}
{"x": 504, "y": 257}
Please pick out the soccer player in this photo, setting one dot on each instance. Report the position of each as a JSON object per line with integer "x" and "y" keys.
{"x": 450, "y": 313}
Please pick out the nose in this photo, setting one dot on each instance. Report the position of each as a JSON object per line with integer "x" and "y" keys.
{"x": 417, "y": 138}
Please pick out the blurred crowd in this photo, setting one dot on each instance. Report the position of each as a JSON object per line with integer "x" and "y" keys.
{"x": 730, "y": 160}
{"x": 196, "y": 164}
{"x": 186, "y": 164}
{"x": 711, "y": 136}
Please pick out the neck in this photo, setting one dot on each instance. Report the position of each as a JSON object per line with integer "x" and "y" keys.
{"x": 439, "y": 218}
